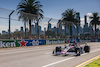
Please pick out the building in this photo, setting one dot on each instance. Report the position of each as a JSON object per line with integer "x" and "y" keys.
{"x": 32, "y": 29}
{"x": 39, "y": 28}
{"x": 35, "y": 28}
{"x": 91, "y": 29}
{"x": 16, "y": 30}
{"x": 59, "y": 27}
{"x": 67, "y": 30}
{"x": 85, "y": 29}
{"x": 21, "y": 29}
{"x": 44, "y": 30}
{"x": 4, "y": 32}
{"x": 49, "y": 26}
{"x": 54, "y": 29}
{"x": 74, "y": 30}
{"x": 78, "y": 17}
{"x": 27, "y": 30}
{"x": 98, "y": 32}
{"x": 79, "y": 29}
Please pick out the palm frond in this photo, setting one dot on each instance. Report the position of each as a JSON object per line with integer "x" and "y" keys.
{"x": 30, "y": 6}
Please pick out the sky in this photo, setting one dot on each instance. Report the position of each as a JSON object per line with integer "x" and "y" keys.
{"x": 55, "y": 8}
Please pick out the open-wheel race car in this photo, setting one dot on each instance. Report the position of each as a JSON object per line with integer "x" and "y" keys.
{"x": 72, "y": 49}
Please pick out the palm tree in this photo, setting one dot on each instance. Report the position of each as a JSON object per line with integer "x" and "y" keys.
{"x": 68, "y": 18}
{"x": 29, "y": 10}
{"x": 95, "y": 20}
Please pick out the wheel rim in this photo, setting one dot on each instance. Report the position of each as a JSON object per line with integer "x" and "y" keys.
{"x": 78, "y": 52}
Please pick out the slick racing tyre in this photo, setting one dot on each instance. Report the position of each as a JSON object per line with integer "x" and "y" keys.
{"x": 87, "y": 49}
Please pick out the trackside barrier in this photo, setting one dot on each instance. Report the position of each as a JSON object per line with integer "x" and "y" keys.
{"x": 20, "y": 43}
{"x": 61, "y": 41}
{"x": 34, "y": 42}
{"x": 85, "y": 41}
{"x": 55, "y": 41}
{"x": 93, "y": 40}
{"x": 9, "y": 43}
{"x": 71, "y": 40}
{"x": 96, "y": 40}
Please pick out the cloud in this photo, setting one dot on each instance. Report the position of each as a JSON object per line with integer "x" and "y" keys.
{"x": 89, "y": 14}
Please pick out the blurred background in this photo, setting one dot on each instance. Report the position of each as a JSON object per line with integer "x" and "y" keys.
{"x": 44, "y": 27}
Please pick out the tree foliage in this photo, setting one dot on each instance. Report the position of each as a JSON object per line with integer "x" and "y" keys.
{"x": 50, "y": 33}
{"x": 68, "y": 18}
{"x": 95, "y": 20}
{"x": 29, "y": 10}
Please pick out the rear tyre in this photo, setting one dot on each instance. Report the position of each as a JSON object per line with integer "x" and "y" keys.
{"x": 87, "y": 49}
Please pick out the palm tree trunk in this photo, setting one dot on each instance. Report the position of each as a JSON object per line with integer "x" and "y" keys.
{"x": 77, "y": 31}
{"x": 65, "y": 30}
{"x": 29, "y": 27}
{"x": 25, "y": 29}
{"x": 95, "y": 29}
{"x": 38, "y": 29}
{"x": 71, "y": 31}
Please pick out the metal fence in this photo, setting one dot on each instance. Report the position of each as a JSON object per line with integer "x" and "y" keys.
{"x": 44, "y": 28}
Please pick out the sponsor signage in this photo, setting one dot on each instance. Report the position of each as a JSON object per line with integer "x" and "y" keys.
{"x": 55, "y": 41}
{"x": 85, "y": 40}
{"x": 9, "y": 43}
{"x": 96, "y": 40}
{"x": 34, "y": 42}
{"x": 20, "y": 43}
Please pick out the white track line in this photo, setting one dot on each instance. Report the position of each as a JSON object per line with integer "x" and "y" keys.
{"x": 66, "y": 59}
{"x": 58, "y": 62}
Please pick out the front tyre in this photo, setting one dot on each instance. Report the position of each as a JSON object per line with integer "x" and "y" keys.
{"x": 78, "y": 53}
{"x": 54, "y": 53}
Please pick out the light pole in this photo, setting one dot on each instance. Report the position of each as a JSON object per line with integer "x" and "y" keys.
{"x": 49, "y": 26}
{"x": 9, "y": 22}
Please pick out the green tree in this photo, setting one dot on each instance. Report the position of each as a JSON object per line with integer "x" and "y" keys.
{"x": 68, "y": 18}
{"x": 30, "y": 10}
{"x": 50, "y": 33}
{"x": 95, "y": 20}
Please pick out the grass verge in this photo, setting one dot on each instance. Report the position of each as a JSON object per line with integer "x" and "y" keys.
{"x": 95, "y": 63}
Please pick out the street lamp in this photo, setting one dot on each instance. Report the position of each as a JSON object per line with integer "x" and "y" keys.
{"x": 9, "y": 22}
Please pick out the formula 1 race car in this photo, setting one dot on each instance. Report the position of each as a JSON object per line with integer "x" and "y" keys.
{"x": 72, "y": 49}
